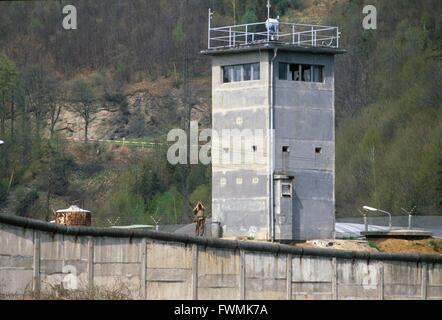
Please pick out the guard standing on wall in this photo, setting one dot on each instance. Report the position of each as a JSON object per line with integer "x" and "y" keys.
{"x": 200, "y": 219}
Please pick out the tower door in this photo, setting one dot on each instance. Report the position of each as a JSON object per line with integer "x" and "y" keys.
{"x": 283, "y": 207}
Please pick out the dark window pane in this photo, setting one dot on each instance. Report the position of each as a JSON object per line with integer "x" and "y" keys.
{"x": 294, "y": 72}
{"x": 247, "y": 72}
{"x": 227, "y": 74}
{"x": 256, "y": 71}
{"x": 318, "y": 74}
{"x": 237, "y": 73}
{"x": 241, "y": 72}
{"x": 283, "y": 71}
{"x": 306, "y": 72}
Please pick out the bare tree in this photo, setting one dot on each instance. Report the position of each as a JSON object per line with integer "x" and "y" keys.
{"x": 8, "y": 78}
{"x": 85, "y": 103}
{"x": 56, "y": 105}
{"x": 41, "y": 87}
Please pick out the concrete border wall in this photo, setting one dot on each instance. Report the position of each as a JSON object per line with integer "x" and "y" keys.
{"x": 36, "y": 256}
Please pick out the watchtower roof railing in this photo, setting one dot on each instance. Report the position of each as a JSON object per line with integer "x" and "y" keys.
{"x": 296, "y": 34}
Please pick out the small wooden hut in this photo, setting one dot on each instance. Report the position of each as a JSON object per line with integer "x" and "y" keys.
{"x": 73, "y": 216}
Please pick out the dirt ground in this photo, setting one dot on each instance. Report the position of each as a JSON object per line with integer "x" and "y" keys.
{"x": 427, "y": 246}
{"x": 353, "y": 245}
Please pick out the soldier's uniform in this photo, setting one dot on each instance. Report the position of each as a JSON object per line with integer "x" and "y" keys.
{"x": 200, "y": 219}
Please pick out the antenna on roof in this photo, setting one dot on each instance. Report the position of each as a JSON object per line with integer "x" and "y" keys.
{"x": 268, "y": 9}
{"x": 210, "y": 26}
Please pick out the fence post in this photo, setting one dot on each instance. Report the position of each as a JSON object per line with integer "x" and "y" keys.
{"x": 381, "y": 281}
{"x": 242, "y": 275}
{"x": 209, "y": 27}
{"x": 424, "y": 280}
{"x": 90, "y": 263}
{"x": 194, "y": 272}
{"x": 293, "y": 33}
{"x": 289, "y": 277}
{"x": 312, "y": 35}
{"x": 143, "y": 267}
{"x": 337, "y": 37}
{"x": 335, "y": 278}
{"x": 36, "y": 285}
{"x": 247, "y": 36}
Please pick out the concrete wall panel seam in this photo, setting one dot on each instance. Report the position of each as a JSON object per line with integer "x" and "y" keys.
{"x": 242, "y": 275}
{"x": 143, "y": 268}
{"x": 289, "y": 276}
{"x": 335, "y": 279}
{"x": 36, "y": 279}
{"x": 90, "y": 263}
{"x": 424, "y": 280}
{"x": 381, "y": 281}
{"x": 194, "y": 272}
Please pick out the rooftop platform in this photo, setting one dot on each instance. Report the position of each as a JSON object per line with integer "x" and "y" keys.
{"x": 270, "y": 46}
{"x": 273, "y": 34}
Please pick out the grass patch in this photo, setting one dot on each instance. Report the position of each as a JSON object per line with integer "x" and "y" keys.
{"x": 436, "y": 245}
{"x": 118, "y": 292}
{"x": 374, "y": 245}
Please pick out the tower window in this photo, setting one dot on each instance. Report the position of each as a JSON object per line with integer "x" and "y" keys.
{"x": 247, "y": 69}
{"x": 295, "y": 71}
{"x": 301, "y": 72}
{"x": 318, "y": 150}
{"x": 283, "y": 70}
{"x": 318, "y": 74}
{"x": 227, "y": 74}
{"x": 254, "y": 148}
{"x": 285, "y": 149}
{"x": 256, "y": 71}
{"x": 241, "y": 72}
{"x": 306, "y": 73}
{"x": 237, "y": 70}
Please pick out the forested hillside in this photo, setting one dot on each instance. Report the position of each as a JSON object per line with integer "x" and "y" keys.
{"x": 389, "y": 103}
{"x": 133, "y": 70}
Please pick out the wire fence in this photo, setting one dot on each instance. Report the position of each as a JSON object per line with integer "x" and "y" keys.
{"x": 124, "y": 142}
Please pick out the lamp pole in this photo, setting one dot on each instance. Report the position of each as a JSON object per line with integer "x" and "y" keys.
{"x": 268, "y": 9}
{"x": 365, "y": 219}
{"x": 367, "y": 208}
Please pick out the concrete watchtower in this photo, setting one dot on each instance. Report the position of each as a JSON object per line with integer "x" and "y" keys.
{"x": 278, "y": 77}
